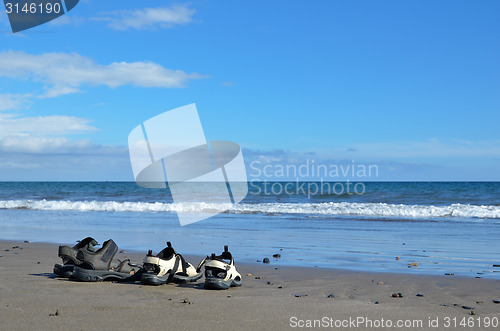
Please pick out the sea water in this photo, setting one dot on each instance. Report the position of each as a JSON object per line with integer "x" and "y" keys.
{"x": 445, "y": 227}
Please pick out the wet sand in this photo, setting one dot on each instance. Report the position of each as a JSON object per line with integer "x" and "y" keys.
{"x": 32, "y": 297}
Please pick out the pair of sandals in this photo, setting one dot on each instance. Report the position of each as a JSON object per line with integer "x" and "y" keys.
{"x": 85, "y": 263}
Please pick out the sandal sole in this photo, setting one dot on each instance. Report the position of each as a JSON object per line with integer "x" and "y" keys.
{"x": 86, "y": 275}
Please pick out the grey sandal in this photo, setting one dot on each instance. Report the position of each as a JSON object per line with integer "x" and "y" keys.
{"x": 100, "y": 265}
{"x": 69, "y": 256}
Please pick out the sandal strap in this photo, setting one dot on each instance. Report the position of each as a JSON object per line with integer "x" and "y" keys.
{"x": 100, "y": 259}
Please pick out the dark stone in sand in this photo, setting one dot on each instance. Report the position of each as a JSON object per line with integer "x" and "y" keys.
{"x": 228, "y": 296}
{"x": 266, "y": 260}
{"x": 395, "y": 295}
{"x": 280, "y": 286}
{"x": 472, "y": 312}
{"x": 479, "y": 302}
{"x": 420, "y": 295}
{"x": 55, "y": 314}
{"x": 7, "y": 250}
{"x": 496, "y": 301}
{"x": 456, "y": 305}
{"x": 258, "y": 277}
{"x": 275, "y": 268}
{"x": 467, "y": 307}
{"x": 38, "y": 262}
{"x": 269, "y": 283}
{"x": 277, "y": 255}
{"x": 376, "y": 302}
{"x": 330, "y": 296}
{"x": 496, "y": 266}
{"x": 300, "y": 295}
{"x": 14, "y": 247}
{"x": 26, "y": 242}
{"x": 448, "y": 274}
{"x": 186, "y": 301}
{"x": 122, "y": 251}
{"x": 444, "y": 305}
{"x": 400, "y": 294}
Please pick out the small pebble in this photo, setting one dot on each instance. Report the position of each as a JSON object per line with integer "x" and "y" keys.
{"x": 467, "y": 307}
{"x": 14, "y": 247}
{"x": 496, "y": 301}
{"x": 275, "y": 268}
{"x": 266, "y": 260}
{"x": 38, "y": 262}
{"x": 496, "y": 266}
{"x": 380, "y": 283}
{"x": 269, "y": 283}
{"x": 26, "y": 242}
{"x": 420, "y": 295}
{"x": 186, "y": 301}
{"x": 277, "y": 255}
{"x": 300, "y": 295}
{"x": 456, "y": 305}
{"x": 7, "y": 250}
{"x": 395, "y": 295}
{"x": 472, "y": 312}
{"x": 122, "y": 251}
{"x": 448, "y": 274}
{"x": 55, "y": 314}
{"x": 257, "y": 277}
{"x": 400, "y": 294}
{"x": 444, "y": 305}
{"x": 398, "y": 258}
{"x": 376, "y": 302}
{"x": 280, "y": 286}
{"x": 413, "y": 264}
{"x": 228, "y": 296}
{"x": 479, "y": 302}
{"x": 249, "y": 274}
{"x": 330, "y": 296}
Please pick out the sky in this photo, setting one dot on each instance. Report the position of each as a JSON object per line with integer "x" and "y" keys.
{"x": 412, "y": 87}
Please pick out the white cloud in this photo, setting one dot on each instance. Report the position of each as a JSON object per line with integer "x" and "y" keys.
{"x": 13, "y": 101}
{"x": 65, "y": 73}
{"x": 38, "y": 145}
{"x": 68, "y": 20}
{"x": 43, "y": 125}
{"x": 148, "y": 18}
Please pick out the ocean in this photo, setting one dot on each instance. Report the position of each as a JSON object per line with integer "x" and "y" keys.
{"x": 445, "y": 227}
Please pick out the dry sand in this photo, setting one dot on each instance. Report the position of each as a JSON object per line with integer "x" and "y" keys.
{"x": 30, "y": 296}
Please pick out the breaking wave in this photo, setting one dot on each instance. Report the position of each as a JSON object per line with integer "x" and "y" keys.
{"x": 329, "y": 208}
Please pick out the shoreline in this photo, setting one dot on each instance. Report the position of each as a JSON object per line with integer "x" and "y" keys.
{"x": 281, "y": 298}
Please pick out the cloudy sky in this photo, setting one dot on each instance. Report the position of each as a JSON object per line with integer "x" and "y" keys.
{"x": 411, "y": 86}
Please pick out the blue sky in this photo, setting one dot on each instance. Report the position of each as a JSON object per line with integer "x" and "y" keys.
{"x": 411, "y": 86}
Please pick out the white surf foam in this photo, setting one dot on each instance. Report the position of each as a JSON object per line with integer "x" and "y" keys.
{"x": 333, "y": 209}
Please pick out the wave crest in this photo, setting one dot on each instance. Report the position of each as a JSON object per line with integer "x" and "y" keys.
{"x": 327, "y": 208}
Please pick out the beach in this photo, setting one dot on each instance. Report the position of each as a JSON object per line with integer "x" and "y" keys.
{"x": 271, "y": 298}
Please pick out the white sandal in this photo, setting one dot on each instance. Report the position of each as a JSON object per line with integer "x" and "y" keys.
{"x": 220, "y": 272}
{"x": 168, "y": 266}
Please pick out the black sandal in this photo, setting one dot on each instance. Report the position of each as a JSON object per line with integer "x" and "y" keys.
{"x": 69, "y": 256}
{"x": 100, "y": 265}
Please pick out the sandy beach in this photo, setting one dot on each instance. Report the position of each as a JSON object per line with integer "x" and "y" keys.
{"x": 270, "y": 299}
